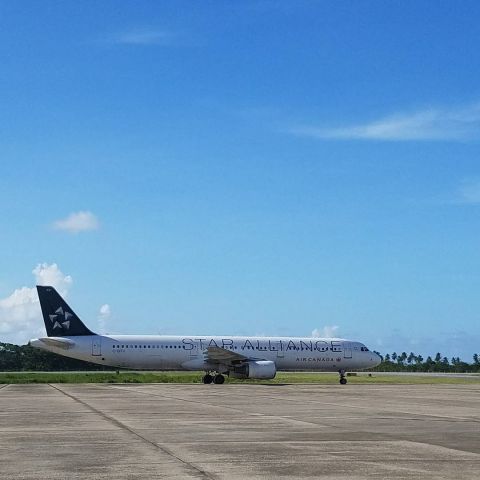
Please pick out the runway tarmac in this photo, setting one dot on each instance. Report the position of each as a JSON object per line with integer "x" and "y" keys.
{"x": 239, "y": 431}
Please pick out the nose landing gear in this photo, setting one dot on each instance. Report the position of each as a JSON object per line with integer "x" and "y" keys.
{"x": 343, "y": 379}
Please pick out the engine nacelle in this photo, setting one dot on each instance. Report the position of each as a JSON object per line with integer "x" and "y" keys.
{"x": 265, "y": 369}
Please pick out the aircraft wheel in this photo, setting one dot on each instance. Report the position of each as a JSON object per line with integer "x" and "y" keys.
{"x": 219, "y": 379}
{"x": 343, "y": 381}
{"x": 207, "y": 379}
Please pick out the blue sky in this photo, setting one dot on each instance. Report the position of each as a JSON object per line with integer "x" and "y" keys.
{"x": 257, "y": 167}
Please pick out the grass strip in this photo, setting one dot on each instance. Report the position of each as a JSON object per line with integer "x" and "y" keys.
{"x": 195, "y": 377}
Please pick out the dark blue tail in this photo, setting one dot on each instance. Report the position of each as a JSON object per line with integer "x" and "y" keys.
{"x": 60, "y": 320}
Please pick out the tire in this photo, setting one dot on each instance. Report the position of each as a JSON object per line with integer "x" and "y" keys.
{"x": 207, "y": 379}
{"x": 343, "y": 381}
{"x": 219, "y": 379}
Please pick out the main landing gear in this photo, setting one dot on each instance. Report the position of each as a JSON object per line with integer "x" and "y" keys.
{"x": 343, "y": 379}
{"x": 218, "y": 379}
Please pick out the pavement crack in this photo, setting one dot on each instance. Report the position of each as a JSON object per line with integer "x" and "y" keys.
{"x": 195, "y": 470}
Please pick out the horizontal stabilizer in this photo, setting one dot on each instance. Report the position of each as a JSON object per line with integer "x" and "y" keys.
{"x": 63, "y": 343}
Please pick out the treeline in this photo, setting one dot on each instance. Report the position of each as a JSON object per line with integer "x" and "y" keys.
{"x": 16, "y": 358}
{"x": 403, "y": 362}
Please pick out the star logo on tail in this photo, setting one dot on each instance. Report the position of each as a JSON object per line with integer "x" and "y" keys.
{"x": 61, "y": 319}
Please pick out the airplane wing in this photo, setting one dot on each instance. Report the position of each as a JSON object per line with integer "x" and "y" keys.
{"x": 224, "y": 356}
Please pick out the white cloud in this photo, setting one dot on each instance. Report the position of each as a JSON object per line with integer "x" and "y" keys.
{"x": 105, "y": 311}
{"x": 469, "y": 192}
{"x": 77, "y": 222}
{"x": 20, "y": 314}
{"x": 142, "y": 37}
{"x": 103, "y": 315}
{"x": 46, "y": 274}
{"x": 447, "y": 124}
{"x": 329, "y": 331}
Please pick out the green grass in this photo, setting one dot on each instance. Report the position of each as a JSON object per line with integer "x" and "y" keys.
{"x": 195, "y": 377}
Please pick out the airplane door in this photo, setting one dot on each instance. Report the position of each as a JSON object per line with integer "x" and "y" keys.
{"x": 280, "y": 353}
{"x": 96, "y": 346}
{"x": 347, "y": 352}
{"x": 277, "y": 347}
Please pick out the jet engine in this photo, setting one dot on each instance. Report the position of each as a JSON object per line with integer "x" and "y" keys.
{"x": 264, "y": 369}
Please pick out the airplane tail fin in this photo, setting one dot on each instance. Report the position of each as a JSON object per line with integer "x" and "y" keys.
{"x": 60, "y": 320}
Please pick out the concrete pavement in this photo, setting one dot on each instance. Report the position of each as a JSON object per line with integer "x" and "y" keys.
{"x": 239, "y": 431}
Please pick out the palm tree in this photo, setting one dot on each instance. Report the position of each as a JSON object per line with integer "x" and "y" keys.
{"x": 379, "y": 354}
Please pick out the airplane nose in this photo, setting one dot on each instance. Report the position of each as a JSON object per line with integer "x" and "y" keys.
{"x": 376, "y": 359}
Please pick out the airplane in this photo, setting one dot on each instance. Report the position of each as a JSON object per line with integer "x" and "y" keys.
{"x": 217, "y": 356}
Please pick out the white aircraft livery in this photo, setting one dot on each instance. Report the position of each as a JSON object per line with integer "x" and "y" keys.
{"x": 238, "y": 357}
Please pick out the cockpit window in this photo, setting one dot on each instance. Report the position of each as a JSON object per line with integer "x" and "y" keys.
{"x": 364, "y": 349}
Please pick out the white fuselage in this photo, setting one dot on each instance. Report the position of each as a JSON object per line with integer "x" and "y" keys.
{"x": 152, "y": 352}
